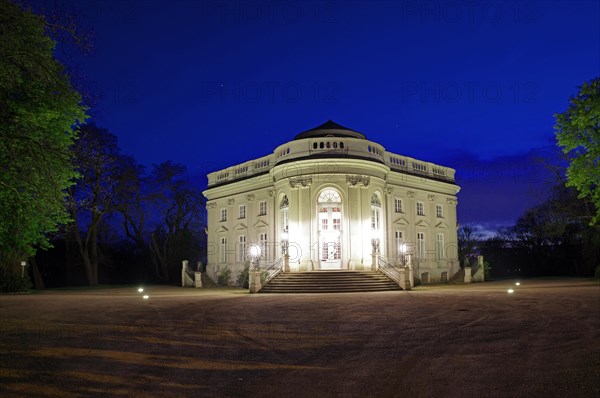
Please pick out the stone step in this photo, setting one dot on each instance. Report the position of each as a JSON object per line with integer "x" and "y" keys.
{"x": 329, "y": 282}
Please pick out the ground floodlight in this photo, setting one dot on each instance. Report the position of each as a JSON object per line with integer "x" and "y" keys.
{"x": 510, "y": 291}
{"x": 141, "y": 289}
{"x": 146, "y": 297}
{"x": 518, "y": 284}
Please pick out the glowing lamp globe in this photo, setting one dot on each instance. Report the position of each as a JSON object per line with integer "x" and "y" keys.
{"x": 255, "y": 251}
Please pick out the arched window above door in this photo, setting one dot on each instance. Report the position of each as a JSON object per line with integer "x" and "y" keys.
{"x": 329, "y": 196}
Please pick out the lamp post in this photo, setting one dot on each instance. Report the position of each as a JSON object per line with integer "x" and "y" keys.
{"x": 254, "y": 252}
{"x": 285, "y": 249}
{"x": 23, "y": 265}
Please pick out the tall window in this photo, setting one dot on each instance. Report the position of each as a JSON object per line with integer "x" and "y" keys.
{"x": 262, "y": 208}
{"x": 439, "y": 247}
{"x": 329, "y": 208}
{"x": 399, "y": 239}
{"x": 284, "y": 207}
{"x": 398, "y": 205}
{"x": 223, "y": 250}
{"x": 421, "y": 245}
{"x": 420, "y": 209}
{"x": 243, "y": 211}
{"x": 242, "y": 248}
{"x": 262, "y": 241}
{"x": 223, "y": 214}
{"x": 439, "y": 211}
{"x": 375, "y": 212}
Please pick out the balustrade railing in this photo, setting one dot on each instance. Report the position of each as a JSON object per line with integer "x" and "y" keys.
{"x": 391, "y": 270}
{"x": 271, "y": 271}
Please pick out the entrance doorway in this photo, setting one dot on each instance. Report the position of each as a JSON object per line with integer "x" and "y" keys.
{"x": 329, "y": 208}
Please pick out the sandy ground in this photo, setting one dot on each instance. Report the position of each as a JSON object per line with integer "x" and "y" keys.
{"x": 454, "y": 340}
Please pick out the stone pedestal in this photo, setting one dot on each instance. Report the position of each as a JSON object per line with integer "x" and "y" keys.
{"x": 198, "y": 279}
{"x": 286, "y": 263}
{"x": 374, "y": 262}
{"x": 254, "y": 284}
{"x": 408, "y": 280}
{"x": 405, "y": 278}
{"x": 481, "y": 269}
{"x": 467, "y": 275}
{"x": 184, "y": 265}
{"x": 409, "y": 273}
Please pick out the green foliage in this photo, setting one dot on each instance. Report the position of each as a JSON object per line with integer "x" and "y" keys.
{"x": 13, "y": 283}
{"x": 39, "y": 112}
{"x": 578, "y": 134}
{"x": 263, "y": 277}
{"x": 597, "y": 272}
{"x": 487, "y": 270}
{"x": 243, "y": 277}
{"x": 224, "y": 277}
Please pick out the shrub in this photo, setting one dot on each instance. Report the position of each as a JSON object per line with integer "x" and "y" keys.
{"x": 12, "y": 283}
{"x": 487, "y": 270}
{"x": 597, "y": 272}
{"x": 263, "y": 277}
{"x": 243, "y": 276}
{"x": 224, "y": 277}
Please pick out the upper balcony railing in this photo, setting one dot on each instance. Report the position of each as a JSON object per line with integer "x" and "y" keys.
{"x": 333, "y": 147}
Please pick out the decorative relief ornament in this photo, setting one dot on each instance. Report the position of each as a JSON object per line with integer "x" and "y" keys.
{"x": 230, "y": 201}
{"x": 410, "y": 194}
{"x": 430, "y": 198}
{"x": 451, "y": 201}
{"x": 250, "y": 197}
{"x": 301, "y": 182}
{"x": 358, "y": 181}
{"x": 211, "y": 205}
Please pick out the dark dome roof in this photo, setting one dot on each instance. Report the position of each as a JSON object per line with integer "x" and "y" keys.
{"x": 330, "y": 129}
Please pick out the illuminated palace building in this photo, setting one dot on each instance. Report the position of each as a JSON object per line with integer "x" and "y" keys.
{"x": 332, "y": 200}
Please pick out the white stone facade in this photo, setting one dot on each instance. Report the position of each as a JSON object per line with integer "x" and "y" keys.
{"x": 340, "y": 197}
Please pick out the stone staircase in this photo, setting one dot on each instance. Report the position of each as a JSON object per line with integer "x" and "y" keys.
{"x": 329, "y": 282}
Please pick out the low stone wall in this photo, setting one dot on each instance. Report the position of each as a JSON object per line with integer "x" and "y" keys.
{"x": 214, "y": 271}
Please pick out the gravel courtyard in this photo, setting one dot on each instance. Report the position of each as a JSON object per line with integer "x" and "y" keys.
{"x": 454, "y": 340}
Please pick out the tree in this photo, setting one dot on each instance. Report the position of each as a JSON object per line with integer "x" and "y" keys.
{"x": 551, "y": 238}
{"x": 468, "y": 237}
{"x": 182, "y": 210}
{"x": 99, "y": 164}
{"x": 163, "y": 213}
{"x": 39, "y": 116}
{"x": 578, "y": 134}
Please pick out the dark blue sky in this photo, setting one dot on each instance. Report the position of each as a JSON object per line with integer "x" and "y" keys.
{"x": 472, "y": 85}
